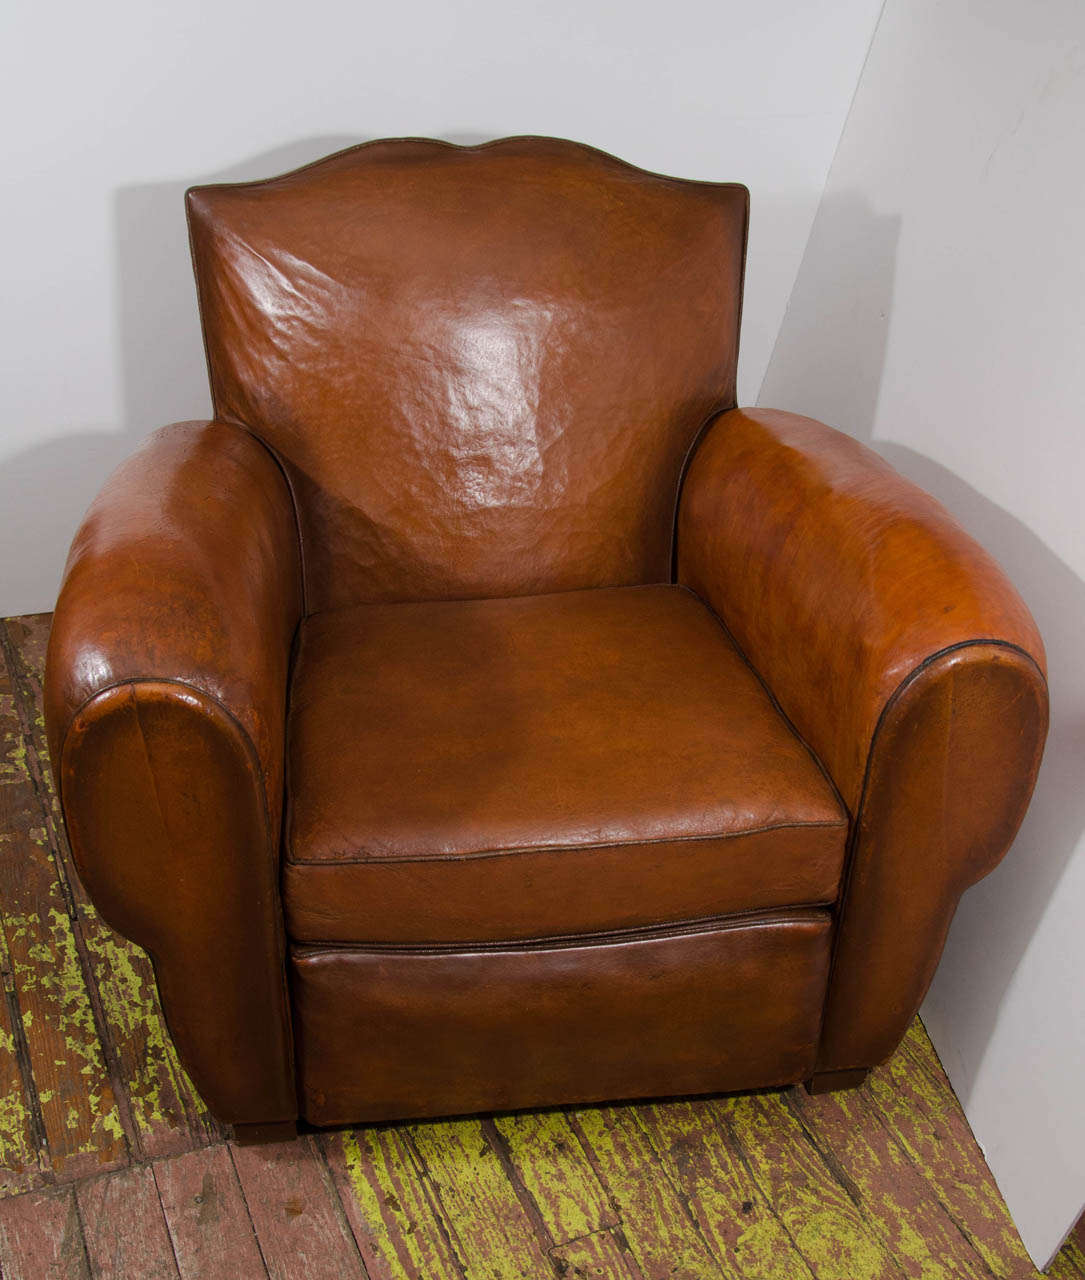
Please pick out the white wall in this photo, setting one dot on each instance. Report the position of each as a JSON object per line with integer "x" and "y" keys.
{"x": 940, "y": 312}
{"x": 114, "y": 108}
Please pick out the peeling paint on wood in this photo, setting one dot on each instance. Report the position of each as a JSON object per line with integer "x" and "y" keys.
{"x": 547, "y": 1159}
{"x": 600, "y": 1254}
{"x": 660, "y": 1230}
{"x": 816, "y": 1208}
{"x": 391, "y": 1208}
{"x": 724, "y": 1198}
{"x": 490, "y": 1229}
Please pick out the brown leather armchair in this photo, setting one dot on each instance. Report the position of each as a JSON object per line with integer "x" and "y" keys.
{"x": 482, "y": 712}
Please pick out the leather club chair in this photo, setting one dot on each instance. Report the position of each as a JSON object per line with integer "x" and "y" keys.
{"x": 482, "y": 711}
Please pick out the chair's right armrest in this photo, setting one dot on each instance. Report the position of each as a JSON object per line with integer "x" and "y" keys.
{"x": 165, "y": 703}
{"x": 903, "y": 656}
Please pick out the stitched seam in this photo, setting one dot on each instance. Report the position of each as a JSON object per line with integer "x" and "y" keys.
{"x": 807, "y": 913}
{"x": 853, "y": 841}
{"x": 504, "y": 852}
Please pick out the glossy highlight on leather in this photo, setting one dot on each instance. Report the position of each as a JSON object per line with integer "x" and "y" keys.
{"x": 482, "y": 367}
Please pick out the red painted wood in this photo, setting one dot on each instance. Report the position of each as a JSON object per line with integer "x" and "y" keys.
{"x": 208, "y": 1221}
{"x": 298, "y": 1219}
{"x": 124, "y": 1228}
{"x": 41, "y": 1237}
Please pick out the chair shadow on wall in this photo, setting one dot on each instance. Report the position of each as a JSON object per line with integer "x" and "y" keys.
{"x": 161, "y": 372}
{"x": 828, "y": 362}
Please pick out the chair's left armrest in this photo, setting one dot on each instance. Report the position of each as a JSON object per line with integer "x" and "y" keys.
{"x": 165, "y": 705}
{"x": 907, "y": 661}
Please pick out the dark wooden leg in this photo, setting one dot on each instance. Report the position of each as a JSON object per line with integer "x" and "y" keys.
{"x": 832, "y": 1081}
{"x": 250, "y": 1135}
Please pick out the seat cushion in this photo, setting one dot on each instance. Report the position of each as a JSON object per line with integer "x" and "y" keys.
{"x": 590, "y": 761}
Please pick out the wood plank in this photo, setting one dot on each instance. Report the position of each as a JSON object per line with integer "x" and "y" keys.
{"x": 207, "y": 1218}
{"x": 601, "y": 1254}
{"x": 124, "y": 1227}
{"x": 21, "y": 1132}
{"x": 547, "y": 1160}
{"x": 299, "y": 1221}
{"x": 161, "y": 1108}
{"x": 724, "y": 1197}
{"x": 888, "y": 1190}
{"x": 19, "y": 1166}
{"x": 815, "y": 1206}
{"x": 41, "y": 1237}
{"x": 390, "y": 1205}
{"x": 70, "y": 1092}
{"x": 491, "y": 1230}
{"x": 658, "y": 1225}
{"x": 922, "y": 1113}
{"x": 1069, "y": 1262}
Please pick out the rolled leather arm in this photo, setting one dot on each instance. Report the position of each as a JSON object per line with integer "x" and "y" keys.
{"x": 165, "y": 704}
{"x": 906, "y": 660}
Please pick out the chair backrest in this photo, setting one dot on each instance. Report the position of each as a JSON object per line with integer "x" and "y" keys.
{"x": 482, "y": 368}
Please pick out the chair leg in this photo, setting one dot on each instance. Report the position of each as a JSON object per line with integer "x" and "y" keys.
{"x": 833, "y": 1081}
{"x": 251, "y": 1135}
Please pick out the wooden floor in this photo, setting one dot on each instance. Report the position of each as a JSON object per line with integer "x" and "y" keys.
{"x": 110, "y": 1165}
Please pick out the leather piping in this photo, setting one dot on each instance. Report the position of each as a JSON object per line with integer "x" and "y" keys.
{"x": 514, "y": 852}
{"x": 563, "y": 941}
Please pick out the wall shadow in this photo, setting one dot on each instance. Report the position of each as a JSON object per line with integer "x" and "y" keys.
{"x": 830, "y": 352}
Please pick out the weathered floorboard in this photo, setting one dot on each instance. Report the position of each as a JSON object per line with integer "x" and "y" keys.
{"x": 546, "y": 1158}
{"x": 922, "y": 1113}
{"x": 20, "y": 1131}
{"x": 207, "y": 1218}
{"x": 298, "y": 1219}
{"x": 492, "y": 1232}
{"x": 918, "y": 1230}
{"x": 829, "y": 1231}
{"x": 124, "y": 1228}
{"x": 660, "y": 1230}
{"x": 601, "y": 1254}
{"x": 390, "y": 1205}
{"x": 722, "y": 1194}
{"x": 41, "y": 1237}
